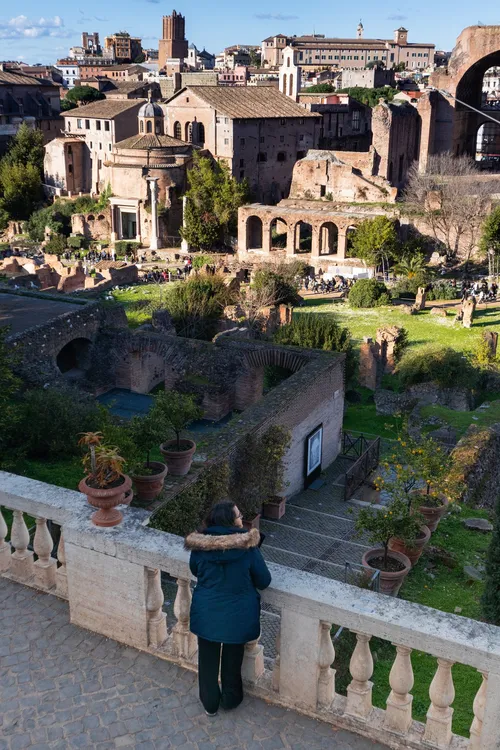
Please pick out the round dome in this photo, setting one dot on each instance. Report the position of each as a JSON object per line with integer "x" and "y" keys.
{"x": 150, "y": 109}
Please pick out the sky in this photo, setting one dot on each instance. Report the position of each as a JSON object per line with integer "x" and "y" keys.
{"x": 26, "y": 35}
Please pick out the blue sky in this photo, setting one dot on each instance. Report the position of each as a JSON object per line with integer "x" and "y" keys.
{"x": 26, "y": 35}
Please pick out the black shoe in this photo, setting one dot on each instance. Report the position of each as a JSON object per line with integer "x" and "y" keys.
{"x": 209, "y": 714}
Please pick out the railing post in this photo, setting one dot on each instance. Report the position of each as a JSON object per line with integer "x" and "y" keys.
{"x": 61, "y": 574}
{"x": 5, "y": 550}
{"x": 276, "y": 669}
{"x": 45, "y": 566}
{"x": 398, "y": 712}
{"x": 439, "y": 715}
{"x": 21, "y": 564}
{"x": 490, "y": 730}
{"x": 478, "y": 707}
{"x": 326, "y": 679}
{"x": 157, "y": 619}
{"x": 253, "y": 661}
{"x": 184, "y": 640}
{"x": 359, "y": 692}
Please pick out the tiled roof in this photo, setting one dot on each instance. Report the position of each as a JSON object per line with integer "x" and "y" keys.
{"x": 9, "y": 77}
{"x": 106, "y": 108}
{"x": 151, "y": 140}
{"x": 242, "y": 102}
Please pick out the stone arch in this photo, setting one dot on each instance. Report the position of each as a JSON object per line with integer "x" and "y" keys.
{"x": 91, "y": 217}
{"x": 201, "y": 134}
{"x": 178, "y": 131}
{"x": 74, "y": 357}
{"x": 250, "y": 385}
{"x": 101, "y": 217}
{"x": 285, "y": 78}
{"x": 141, "y": 126}
{"x": 488, "y": 142}
{"x": 290, "y": 87}
{"x": 188, "y": 132}
{"x": 149, "y": 126}
{"x": 303, "y": 232}
{"x": 349, "y": 235}
{"x": 328, "y": 238}
{"x": 278, "y": 234}
{"x": 147, "y": 363}
{"x": 254, "y": 233}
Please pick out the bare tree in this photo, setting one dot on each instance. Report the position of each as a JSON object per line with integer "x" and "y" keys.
{"x": 453, "y": 198}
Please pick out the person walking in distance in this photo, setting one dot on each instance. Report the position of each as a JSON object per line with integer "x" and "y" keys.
{"x": 225, "y": 611}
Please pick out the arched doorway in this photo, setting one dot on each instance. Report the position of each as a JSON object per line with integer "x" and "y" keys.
{"x": 74, "y": 358}
{"x": 188, "y": 132}
{"x": 303, "y": 237}
{"x": 471, "y": 91}
{"x": 178, "y": 131}
{"x": 349, "y": 236}
{"x": 328, "y": 239}
{"x": 254, "y": 233}
{"x": 488, "y": 146}
{"x": 279, "y": 234}
{"x": 201, "y": 134}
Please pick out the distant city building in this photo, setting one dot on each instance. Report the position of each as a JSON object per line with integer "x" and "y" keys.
{"x": 235, "y": 77}
{"x": 27, "y": 99}
{"x": 173, "y": 45}
{"x": 151, "y": 55}
{"x": 346, "y": 123}
{"x": 258, "y": 131}
{"x": 319, "y": 51}
{"x": 122, "y": 47}
{"x": 124, "y": 72}
{"x": 91, "y": 43}
{"x": 373, "y": 78}
{"x": 441, "y": 58}
{"x": 197, "y": 60}
{"x": 233, "y": 57}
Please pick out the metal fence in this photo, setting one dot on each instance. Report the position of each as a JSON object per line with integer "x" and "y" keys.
{"x": 361, "y": 469}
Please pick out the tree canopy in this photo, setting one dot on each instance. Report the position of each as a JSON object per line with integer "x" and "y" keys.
{"x": 21, "y": 172}
{"x": 213, "y": 199}
{"x": 375, "y": 241}
{"x": 370, "y": 97}
{"x": 83, "y": 95}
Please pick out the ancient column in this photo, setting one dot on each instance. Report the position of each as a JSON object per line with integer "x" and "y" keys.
{"x": 153, "y": 187}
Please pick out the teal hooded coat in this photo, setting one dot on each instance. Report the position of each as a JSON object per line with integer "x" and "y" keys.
{"x": 230, "y": 568}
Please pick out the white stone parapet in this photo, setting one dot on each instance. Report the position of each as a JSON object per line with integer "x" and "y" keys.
{"x": 111, "y": 578}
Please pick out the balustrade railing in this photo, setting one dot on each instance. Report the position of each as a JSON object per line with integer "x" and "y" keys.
{"x": 303, "y": 672}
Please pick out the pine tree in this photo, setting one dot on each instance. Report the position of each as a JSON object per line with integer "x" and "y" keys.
{"x": 491, "y": 596}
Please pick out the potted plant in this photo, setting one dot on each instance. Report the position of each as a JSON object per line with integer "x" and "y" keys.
{"x": 382, "y": 523}
{"x": 433, "y": 465}
{"x": 148, "y": 476}
{"x": 105, "y": 485}
{"x": 177, "y": 411}
{"x": 273, "y": 447}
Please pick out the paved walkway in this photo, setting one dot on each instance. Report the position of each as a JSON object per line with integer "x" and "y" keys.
{"x": 63, "y": 687}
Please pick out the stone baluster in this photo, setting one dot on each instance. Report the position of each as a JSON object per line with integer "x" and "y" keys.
{"x": 21, "y": 563}
{"x": 184, "y": 641}
{"x": 439, "y": 715}
{"x": 5, "y": 550}
{"x": 61, "y": 574}
{"x": 398, "y": 713}
{"x": 359, "y": 691}
{"x": 157, "y": 619}
{"x": 478, "y": 707}
{"x": 253, "y": 661}
{"x": 276, "y": 670}
{"x": 45, "y": 566}
{"x": 326, "y": 679}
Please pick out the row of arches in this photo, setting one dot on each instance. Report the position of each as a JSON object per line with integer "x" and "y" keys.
{"x": 288, "y": 79}
{"x": 191, "y": 132}
{"x": 302, "y": 236}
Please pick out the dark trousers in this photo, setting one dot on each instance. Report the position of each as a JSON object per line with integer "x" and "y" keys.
{"x": 209, "y": 661}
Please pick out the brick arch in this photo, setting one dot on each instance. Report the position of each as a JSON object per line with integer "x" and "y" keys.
{"x": 147, "y": 362}
{"x": 250, "y": 385}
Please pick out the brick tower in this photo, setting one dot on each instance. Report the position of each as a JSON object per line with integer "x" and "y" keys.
{"x": 173, "y": 44}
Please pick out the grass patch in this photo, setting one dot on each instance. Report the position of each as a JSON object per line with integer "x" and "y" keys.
{"x": 423, "y": 328}
{"x": 461, "y": 420}
{"x": 138, "y": 301}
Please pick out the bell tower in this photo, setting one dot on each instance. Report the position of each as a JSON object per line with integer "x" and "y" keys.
{"x": 173, "y": 44}
{"x": 360, "y": 30}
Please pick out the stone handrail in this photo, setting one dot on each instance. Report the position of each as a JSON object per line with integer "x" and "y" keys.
{"x": 111, "y": 578}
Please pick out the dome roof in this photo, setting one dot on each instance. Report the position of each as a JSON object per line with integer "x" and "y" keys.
{"x": 150, "y": 109}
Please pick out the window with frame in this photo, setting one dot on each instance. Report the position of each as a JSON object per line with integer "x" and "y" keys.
{"x": 261, "y": 156}
{"x": 356, "y": 120}
{"x": 282, "y": 138}
{"x": 301, "y": 137}
{"x": 106, "y": 125}
{"x": 226, "y": 141}
{"x": 242, "y": 142}
{"x": 70, "y": 169}
{"x": 262, "y": 139}
{"x": 79, "y": 124}
{"x": 242, "y": 163}
{"x": 97, "y": 124}
{"x": 87, "y": 124}
{"x": 281, "y": 157}
{"x": 242, "y": 174}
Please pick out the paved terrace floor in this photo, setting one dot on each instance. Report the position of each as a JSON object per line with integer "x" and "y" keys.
{"x": 21, "y": 312}
{"x": 63, "y": 687}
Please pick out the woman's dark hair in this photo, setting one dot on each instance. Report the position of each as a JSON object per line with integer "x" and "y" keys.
{"x": 222, "y": 514}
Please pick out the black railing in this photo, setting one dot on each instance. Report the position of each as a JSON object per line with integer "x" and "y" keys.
{"x": 353, "y": 446}
{"x": 362, "y": 468}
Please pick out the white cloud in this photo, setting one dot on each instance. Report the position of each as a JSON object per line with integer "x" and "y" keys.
{"x": 22, "y": 27}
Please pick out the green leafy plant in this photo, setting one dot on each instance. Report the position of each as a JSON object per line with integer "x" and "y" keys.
{"x": 382, "y": 523}
{"x": 369, "y": 293}
{"x": 176, "y": 411}
{"x": 375, "y": 241}
{"x": 490, "y": 601}
{"x": 76, "y": 242}
{"x": 318, "y": 332}
{"x": 147, "y": 432}
{"x": 441, "y": 365}
{"x": 56, "y": 245}
{"x": 197, "y": 305}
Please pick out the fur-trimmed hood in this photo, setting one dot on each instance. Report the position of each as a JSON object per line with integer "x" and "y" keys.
{"x": 213, "y": 542}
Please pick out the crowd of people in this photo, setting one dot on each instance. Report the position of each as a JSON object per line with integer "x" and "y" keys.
{"x": 480, "y": 291}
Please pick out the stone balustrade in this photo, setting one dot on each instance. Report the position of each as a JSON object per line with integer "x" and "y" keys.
{"x": 111, "y": 579}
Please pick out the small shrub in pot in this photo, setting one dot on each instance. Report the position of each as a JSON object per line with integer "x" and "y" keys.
{"x": 177, "y": 411}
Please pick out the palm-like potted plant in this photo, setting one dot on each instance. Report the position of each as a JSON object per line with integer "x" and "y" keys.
{"x": 176, "y": 412}
{"x": 382, "y": 523}
{"x": 105, "y": 484}
{"x": 148, "y": 476}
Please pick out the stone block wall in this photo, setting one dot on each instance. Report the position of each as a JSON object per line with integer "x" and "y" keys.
{"x": 475, "y": 462}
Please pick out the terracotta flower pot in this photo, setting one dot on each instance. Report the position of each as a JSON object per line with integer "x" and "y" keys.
{"x": 274, "y": 509}
{"x": 149, "y": 486}
{"x": 178, "y": 462}
{"x": 106, "y": 500}
{"x": 412, "y": 553}
{"x": 253, "y": 523}
{"x": 390, "y": 581}
{"x": 433, "y": 513}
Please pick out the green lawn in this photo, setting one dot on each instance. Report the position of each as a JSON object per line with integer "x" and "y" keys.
{"x": 423, "y": 328}
{"x": 138, "y": 301}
